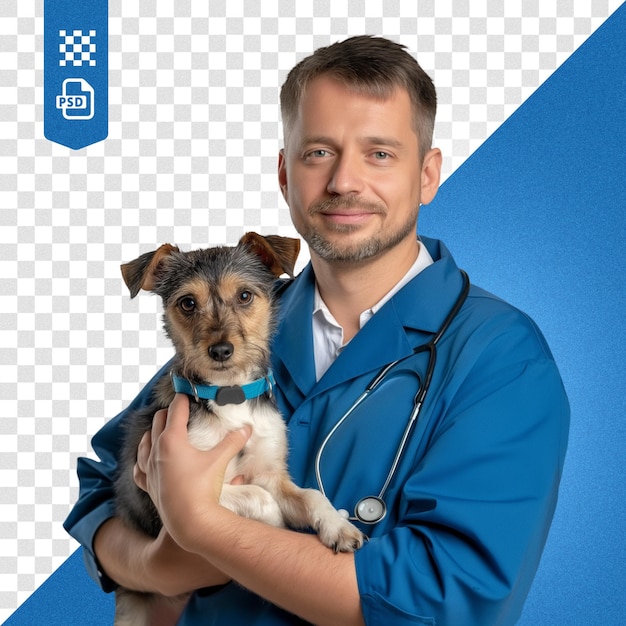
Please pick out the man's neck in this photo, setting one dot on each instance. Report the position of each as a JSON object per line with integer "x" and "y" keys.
{"x": 348, "y": 289}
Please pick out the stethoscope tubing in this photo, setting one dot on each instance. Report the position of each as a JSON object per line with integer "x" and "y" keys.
{"x": 344, "y": 417}
{"x": 431, "y": 347}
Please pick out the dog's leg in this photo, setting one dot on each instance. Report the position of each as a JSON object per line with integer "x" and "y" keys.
{"x": 308, "y": 508}
{"x": 131, "y": 609}
{"x": 252, "y": 501}
{"x": 147, "y": 609}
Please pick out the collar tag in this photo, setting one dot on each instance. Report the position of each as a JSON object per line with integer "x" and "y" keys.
{"x": 229, "y": 395}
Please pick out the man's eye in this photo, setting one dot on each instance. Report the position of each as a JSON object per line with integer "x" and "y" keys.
{"x": 381, "y": 155}
{"x": 187, "y": 304}
{"x": 317, "y": 154}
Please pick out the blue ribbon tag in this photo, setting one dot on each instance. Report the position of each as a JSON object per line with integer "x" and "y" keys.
{"x": 76, "y": 67}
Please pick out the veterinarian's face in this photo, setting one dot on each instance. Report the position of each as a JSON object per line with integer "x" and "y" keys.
{"x": 351, "y": 172}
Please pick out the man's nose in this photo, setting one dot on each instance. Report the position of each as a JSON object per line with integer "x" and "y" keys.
{"x": 347, "y": 175}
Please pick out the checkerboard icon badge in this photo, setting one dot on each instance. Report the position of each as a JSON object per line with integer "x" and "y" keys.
{"x": 78, "y": 48}
{"x": 76, "y": 66}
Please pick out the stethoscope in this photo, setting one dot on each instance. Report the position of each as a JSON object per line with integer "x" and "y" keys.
{"x": 372, "y": 509}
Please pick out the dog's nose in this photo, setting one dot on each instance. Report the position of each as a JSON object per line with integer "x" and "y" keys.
{"x": 221, "y": 351}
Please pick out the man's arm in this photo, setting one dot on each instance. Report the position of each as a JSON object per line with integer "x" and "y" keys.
{"x": 292, "y": 570}
{"x": 136, "y": 561}
{"x": 113, "y": 553}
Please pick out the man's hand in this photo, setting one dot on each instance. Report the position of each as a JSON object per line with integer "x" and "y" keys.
{"x": 293, "y": 570}
{"x": 184, "y": 483}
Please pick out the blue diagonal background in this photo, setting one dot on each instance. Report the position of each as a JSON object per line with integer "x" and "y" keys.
{"x": 538, "y": 215}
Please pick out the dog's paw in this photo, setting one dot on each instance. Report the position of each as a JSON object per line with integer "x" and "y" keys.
{"x": 253, "y": 502}
{"x": 339, "y": 534}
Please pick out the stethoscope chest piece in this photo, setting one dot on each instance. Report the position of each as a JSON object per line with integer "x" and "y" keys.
{"x": 370, "y": 510}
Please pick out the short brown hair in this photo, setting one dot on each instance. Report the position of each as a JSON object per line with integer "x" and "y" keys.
{"x": 371, "y": 65}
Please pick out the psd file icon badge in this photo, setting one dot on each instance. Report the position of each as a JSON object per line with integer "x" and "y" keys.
{"x": 76, "y": 97}
{"x": 76, "y": 101}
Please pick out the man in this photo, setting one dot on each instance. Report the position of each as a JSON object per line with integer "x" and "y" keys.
{"x": 469, "y": 501}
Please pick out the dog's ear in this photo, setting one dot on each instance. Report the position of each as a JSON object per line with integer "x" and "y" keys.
{"x": 278, "y": 253}
{"x": 143, "y": 272}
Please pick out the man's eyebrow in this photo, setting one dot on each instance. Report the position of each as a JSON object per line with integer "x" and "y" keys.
{"x": 317, "y": 139}
{"x": 390, "y": 142}
{"x": 372, "y": 140}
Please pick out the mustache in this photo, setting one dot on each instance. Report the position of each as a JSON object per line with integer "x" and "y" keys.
{"x": 329, "y": 205}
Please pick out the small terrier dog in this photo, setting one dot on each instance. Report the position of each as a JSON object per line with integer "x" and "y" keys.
{"x": 219, "y": 312}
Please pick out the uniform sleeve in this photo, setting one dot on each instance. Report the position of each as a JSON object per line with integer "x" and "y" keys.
{"x": 95, "y": 500}
{"x": 490, "y": 475}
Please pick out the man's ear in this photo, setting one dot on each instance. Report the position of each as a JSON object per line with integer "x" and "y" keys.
{"x": 278, "y": 253}
{"x": 142, "y": 273}
{"x": 431, "y": 175}
{"x": 282, "y": 173}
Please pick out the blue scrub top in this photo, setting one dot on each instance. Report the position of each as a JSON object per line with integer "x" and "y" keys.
{"x": 471, "y": 503}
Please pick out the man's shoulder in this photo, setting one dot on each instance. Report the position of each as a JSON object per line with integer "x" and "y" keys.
{"x": 281, "y": 285}
{"x": 502, "y": 322}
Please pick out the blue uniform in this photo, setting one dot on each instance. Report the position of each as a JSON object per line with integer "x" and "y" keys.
{"x": 471, "y": 503}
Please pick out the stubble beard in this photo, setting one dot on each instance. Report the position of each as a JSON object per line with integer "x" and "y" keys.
{"x": 343, "y": 252}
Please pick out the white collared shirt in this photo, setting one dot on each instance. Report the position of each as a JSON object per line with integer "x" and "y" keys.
{"x": 328, "y": 334}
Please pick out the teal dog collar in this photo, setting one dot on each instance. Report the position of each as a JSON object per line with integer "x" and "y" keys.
{"x": 224, "y": 395}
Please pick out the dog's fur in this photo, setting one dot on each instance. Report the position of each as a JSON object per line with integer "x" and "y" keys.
{"x": 219, "y": 312}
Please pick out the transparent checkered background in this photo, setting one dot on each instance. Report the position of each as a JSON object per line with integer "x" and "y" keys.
{"x": 191, "y": 156}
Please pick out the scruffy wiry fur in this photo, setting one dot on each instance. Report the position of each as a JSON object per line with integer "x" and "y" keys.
{"x": 219, "y": 312}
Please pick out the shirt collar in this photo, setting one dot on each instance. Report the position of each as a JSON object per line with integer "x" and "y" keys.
{"x": 422, "y": 261}
{"x": 328, "y": 334}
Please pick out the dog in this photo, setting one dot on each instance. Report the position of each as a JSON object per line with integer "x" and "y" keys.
{"x": 219, "y": 311}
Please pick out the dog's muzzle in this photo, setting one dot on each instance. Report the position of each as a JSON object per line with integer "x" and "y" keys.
{"x": 221, "y": 351}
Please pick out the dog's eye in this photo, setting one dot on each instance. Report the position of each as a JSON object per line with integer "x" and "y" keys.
{"x": 245, "y": 297}
{"x": 187, "y": 304}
